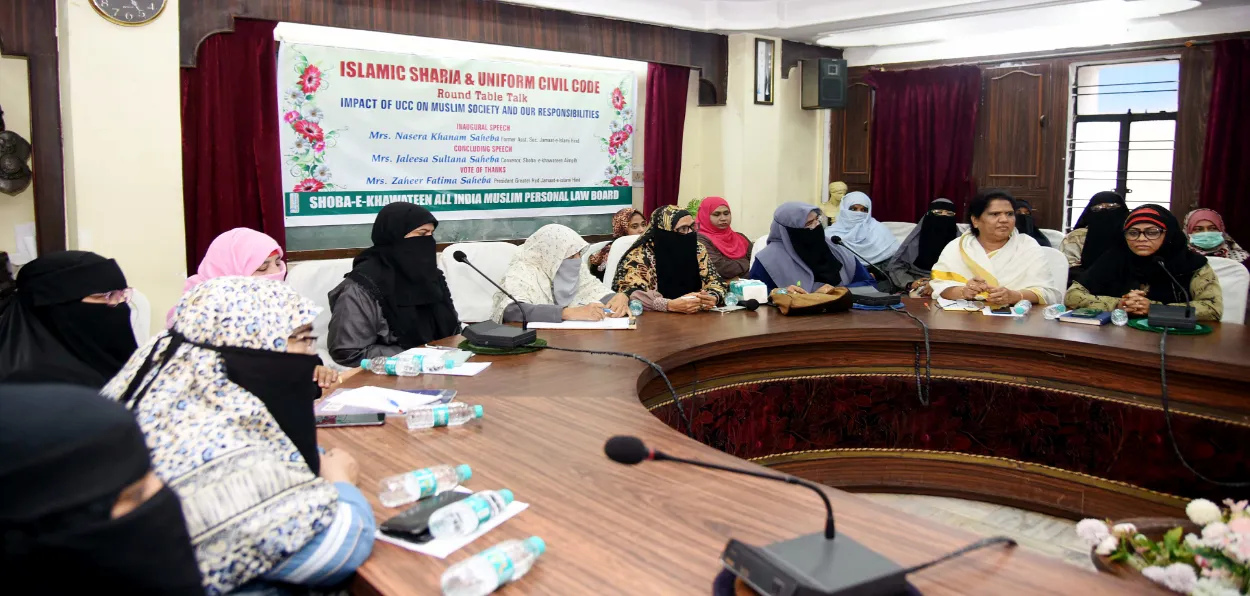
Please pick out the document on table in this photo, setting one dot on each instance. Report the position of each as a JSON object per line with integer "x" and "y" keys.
{"x": 616, "y": 324}
{"x": 468, "y": 369}
{"x": 987, "y": 311}
{"x": 380, "y": 399}
{"x": 442, "y": 547}
{"x": 959, "y": 305}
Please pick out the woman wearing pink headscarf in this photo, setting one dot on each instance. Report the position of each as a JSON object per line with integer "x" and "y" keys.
{"x": 248, "y": 253}
{"x": 1208, "y": 237}
{"x": 729, "y": 251}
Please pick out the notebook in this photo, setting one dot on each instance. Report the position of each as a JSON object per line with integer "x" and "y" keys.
{"x": 1086, "y": 316}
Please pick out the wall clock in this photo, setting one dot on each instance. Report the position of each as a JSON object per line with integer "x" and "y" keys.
{"x": 129, "y": 13}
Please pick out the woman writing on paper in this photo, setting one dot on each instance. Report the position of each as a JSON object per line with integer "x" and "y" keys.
{"x": 667, "y": 269}
{"x": 729, "y": 251}
{"x": 548, "y": 280}
{"x": 801, "y": 258}
{"x": 993, "y": 261}
{"x": 910, "y": 268}
{"x": 395, "y": 296}
{"x": 861, "y": 233}
{"x": 626, "y": 222}
{"x": 1134, "y": 274}
{"x": 225, "y": 402}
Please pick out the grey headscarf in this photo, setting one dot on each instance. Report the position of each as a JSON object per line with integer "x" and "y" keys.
{"x": 781, "y": 261}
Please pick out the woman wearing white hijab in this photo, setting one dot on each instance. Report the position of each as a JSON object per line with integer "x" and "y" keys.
{"x": 548, "y": 279}
{"x": 861, "y": 233}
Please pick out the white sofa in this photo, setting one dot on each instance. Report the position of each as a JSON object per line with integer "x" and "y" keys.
{"x": 620, "y": 246}
{"x": 1234, "y": 284}
{"x": 472, "y": 295}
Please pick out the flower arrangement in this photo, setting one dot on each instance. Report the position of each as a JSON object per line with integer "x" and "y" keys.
{"x": 1217, "y": 563}
{"x": 620, "y": 131}
{"x": 306, "y": 155}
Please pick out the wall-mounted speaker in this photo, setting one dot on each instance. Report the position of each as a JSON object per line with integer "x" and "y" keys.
{"x": 824, "y": 83}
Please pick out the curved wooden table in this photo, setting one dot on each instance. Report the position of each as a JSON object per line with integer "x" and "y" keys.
{"x": 659, "y": 528}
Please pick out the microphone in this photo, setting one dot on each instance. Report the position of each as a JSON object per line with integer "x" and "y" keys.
{"x": 751, "y": 305}
{"x": 631, "y": 450}
{"x": 1175, "y": 317}
{"x": 838, "y": 241}
{"x": 813, "y": 564}
{"x": 490, "y": 333}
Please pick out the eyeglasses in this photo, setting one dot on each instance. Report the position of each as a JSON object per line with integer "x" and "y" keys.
{"x": 1149, "y": 233}
{"x": 687, "y": 229}
{"x": 113, "y": 298}
{"x": 1105, "y": 207}
{"x": 942, "y": 212}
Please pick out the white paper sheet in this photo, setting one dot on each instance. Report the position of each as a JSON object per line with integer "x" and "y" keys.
{"x": 445, "y": 546}
{"x": 618, "y": 323}
{"x": 381, "y": 399}
{"x": 468, "y": 369}
{"x": 989, "y": 313}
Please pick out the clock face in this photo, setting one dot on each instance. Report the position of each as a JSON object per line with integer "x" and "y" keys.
{"x": 129, "y": 12}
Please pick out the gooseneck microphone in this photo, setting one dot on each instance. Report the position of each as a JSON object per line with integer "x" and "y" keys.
{"x": 810, "y": 565}
{"x": 490, "y": 333}
{"x": 1163, "y": 315}
{"x": 631, "y": 450}
{"x": 838, "y": 241}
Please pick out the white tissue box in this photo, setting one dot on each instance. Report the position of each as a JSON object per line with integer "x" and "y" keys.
{"x": 749, "y": 289}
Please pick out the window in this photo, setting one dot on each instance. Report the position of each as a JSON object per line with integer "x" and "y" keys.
{"x": 1123, "y": 133}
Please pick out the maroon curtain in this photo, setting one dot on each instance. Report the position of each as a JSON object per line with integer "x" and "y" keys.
{"x": 666, "y": 120}
{"x": 1225, "y": 158}
{"x": 923, "y": 127}
{"x": 231, "y": 167}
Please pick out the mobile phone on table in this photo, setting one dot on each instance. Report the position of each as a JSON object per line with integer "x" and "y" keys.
{"x": 413, "y": 525}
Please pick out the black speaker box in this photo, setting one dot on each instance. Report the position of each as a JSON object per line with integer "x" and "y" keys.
{"x": 824, "y": 83}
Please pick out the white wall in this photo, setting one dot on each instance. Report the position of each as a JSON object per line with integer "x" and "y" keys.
{"x": 15, "y": 99}
{"x": 120, "y": 115}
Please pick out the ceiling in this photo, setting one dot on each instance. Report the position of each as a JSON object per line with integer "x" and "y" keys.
{"x": 884, "y": 31}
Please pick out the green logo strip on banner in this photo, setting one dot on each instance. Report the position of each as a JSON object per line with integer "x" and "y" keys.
{"x": 312, "y": 204}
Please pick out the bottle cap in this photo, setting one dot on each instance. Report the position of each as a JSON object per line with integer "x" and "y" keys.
{"x": 364, "y": 364}
{"x": 536, "y": 544}
{"x": 506, "y": 494}
{"x": 477, "y": 411}
{"x": 464, "y": 472}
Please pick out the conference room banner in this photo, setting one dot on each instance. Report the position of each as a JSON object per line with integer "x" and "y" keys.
{"x": 465, "y": 138}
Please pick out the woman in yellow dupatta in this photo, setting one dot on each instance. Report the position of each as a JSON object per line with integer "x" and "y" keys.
{"x": 992, "y": 261}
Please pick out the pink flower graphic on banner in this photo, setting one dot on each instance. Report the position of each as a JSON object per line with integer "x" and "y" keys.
{"x": 611, "y": 150}
{"x": 311, "y": 79}
{"x": 619, "y": 181}
{"x": 618, "y": 98}
{"x": 629, "y": 129}
{"x": 617, "y": 139}
{"x": 290, "y": 116}
{"x": 309, "y": 130}
{"x": 309, "y": 185}
{"x": 319, "y": 146}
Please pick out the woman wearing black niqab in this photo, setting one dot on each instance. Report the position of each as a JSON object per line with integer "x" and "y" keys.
{"x": 81, "y": 511}
{"x": 68, "y": 321}
{"x": 395, "y": 296}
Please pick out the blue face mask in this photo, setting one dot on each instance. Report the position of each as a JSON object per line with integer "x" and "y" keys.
{"x": 1207, "y": 240}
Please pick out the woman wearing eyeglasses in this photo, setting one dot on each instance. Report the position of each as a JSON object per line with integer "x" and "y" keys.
{"x": 68, "y": 322}
{"x": 1135, "y": 274}
{"x": 909, "y": 270}
{"x": 668, "y": 269}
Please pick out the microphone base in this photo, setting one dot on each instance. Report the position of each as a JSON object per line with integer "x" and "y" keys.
{"x": 493, "y": 335}
{"x": 813, "y": 566}
{"x": 1173, "y": 317}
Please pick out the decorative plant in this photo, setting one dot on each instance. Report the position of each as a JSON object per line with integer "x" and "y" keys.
{"x": 693, "y": 205}
{"x": 1217, "y": 563}
{"x": 617, "y": 143}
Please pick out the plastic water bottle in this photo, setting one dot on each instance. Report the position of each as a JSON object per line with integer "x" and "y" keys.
{"x": 402, "y": 489}
{"x": 731, "y": 300}
{"x": 1119, "y": 318}
{"x": 452, "y": 414}
{"x": 393, "y": 365}
{"x": 486, "y": 571}
{"x": 635, "y": 308}
{"x": 1022, "y": 307}
{"x": 463, "y": 517}
{"x": 1053, "y": 311}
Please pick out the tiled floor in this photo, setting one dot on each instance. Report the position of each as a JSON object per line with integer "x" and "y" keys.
{"x": 1040, "y": 533}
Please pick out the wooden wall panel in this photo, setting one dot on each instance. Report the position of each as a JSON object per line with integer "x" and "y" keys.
{"x": 483, "y": 21}
{"x": 850, "y": 140}
{"x": 792, "y": 52}
{"x": 1015, "y": 135}
{"x": 28, "y": 29}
